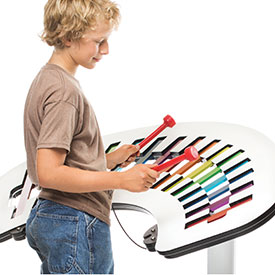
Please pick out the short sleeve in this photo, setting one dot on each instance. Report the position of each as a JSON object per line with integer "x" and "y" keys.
{"x": 58, "y": 126}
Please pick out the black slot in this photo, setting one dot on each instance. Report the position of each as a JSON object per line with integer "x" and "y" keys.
{"x": 196, "y": 221}
{"x": 16, "y": 191}
{"x": 189, "y": 194}
{"x": 189, "y": 214}
{"x": 191, "y": 144}
{"x": 235, "y": 166}
{"x": 210, "y": 144}
{"x": 137, "y": 141}
{"x": 111, "y": 146}
{"x": 171, "y": 184}
{"x": 185, "y": 186}
{"x": 185, "y": 206}
{"x": 160, "y": 181}
{"x": 152, "y": 147}
{"x": 241, "y": 175}
{"x": 240, "y": 201}
{"x": 169, "y": 147}
{"x": 225, "y": 160}
{"x": 228, "y": 145}
{"x": 236, "y": 190}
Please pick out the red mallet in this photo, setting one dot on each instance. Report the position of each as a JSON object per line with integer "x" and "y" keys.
{"x": 190, "y": 153}
{"x": 168, "y": 122}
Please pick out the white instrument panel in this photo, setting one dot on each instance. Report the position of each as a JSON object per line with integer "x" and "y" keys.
{"x": 232, "y": 186}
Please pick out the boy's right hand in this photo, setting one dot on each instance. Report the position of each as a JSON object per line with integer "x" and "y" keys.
{"x": 139, "y": 178}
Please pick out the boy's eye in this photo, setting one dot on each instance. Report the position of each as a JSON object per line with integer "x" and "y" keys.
{"x": 100, "y": 42}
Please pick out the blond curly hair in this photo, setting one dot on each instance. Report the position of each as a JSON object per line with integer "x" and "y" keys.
{"x": 70, "y": 19}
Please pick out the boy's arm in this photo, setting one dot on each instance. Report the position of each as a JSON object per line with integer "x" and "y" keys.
{"x": 53, "y": 174}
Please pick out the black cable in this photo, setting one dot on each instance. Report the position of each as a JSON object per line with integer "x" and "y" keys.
{"x": 126, "y": 232}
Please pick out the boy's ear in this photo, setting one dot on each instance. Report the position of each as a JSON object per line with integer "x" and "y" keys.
{"x": 67, "y": 42}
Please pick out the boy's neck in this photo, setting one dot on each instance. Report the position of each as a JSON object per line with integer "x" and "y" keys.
{"x": 64, "y": 60}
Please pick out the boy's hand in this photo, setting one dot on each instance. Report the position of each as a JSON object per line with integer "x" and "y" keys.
{"x": 139, "y": 178}
{"x": 123, "y": 156}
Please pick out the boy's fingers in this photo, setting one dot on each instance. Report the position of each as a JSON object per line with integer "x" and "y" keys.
{"x": 151, "y": 165}
{"x": 148, "y": 185}
{"x": 133, "y": 152}
{"x": 131, "y": 158}
{"x": 152, "y": 173}
{"x": 151, "y": 180}
{"x": 133, "y": 149}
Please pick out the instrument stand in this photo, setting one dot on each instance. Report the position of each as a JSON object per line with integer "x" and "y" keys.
{"x": 221, "y": 258}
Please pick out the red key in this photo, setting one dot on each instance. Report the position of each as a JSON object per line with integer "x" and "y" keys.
{"x": 168, "y": 122}
{"x": 190, "y": 153}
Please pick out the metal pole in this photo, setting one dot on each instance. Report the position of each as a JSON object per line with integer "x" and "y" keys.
{"x": 221, "y": 258}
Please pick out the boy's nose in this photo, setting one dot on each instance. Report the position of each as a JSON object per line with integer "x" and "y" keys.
{"x": 104, "y": 48}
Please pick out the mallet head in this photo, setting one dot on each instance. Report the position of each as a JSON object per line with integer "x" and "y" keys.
{"x": 169, "y": 121}
{"x": 191, "y": 153}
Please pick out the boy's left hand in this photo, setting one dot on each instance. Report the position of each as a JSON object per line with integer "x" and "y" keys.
{"x": 123, "y": 156}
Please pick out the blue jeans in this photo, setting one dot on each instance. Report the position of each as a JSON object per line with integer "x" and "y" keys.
{"x": 69, "y": 241}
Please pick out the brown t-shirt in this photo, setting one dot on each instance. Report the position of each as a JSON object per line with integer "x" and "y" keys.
{"x": 58, "y": 115}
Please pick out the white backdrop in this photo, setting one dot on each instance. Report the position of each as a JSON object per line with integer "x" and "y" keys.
{"x": 210, "y": 60}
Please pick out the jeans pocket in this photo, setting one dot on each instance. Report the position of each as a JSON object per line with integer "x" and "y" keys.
{"x": 99, "y": 240}
{"x": 56, "y": 236}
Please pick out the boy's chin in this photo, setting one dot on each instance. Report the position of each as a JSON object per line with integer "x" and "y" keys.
{"x": 89, "y": 66}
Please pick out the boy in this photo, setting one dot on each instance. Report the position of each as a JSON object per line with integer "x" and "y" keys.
{"x": 69, "y": 225}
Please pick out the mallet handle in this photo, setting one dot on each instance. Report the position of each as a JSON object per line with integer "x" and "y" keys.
{"x": 168, "y": 122}
{"x": 152, "y": 135}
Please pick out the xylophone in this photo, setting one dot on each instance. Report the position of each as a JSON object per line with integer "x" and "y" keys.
{"x": 225, "y": 192}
